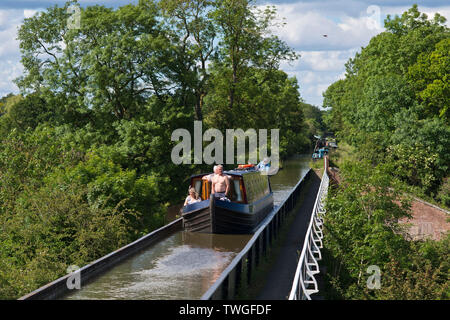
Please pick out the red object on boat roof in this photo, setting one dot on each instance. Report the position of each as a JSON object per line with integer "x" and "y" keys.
{"x": 245, "y": 166}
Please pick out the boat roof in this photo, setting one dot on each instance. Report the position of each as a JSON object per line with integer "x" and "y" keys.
{"x": 229, "y": 172}
{"x": 240, "y": 172}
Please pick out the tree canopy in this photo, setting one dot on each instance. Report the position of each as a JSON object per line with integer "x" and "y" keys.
{"x": 391, "y": 112}
{"x": 85, "y": 161}
{"x": 394, "y": 100}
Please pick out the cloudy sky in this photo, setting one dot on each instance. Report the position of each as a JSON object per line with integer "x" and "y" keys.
{"x": 347, "y": 24}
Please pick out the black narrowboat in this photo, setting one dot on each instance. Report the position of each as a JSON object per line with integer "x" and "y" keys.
{"x": 249, "y": 201}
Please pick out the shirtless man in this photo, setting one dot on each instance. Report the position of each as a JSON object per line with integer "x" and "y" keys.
{"x": 220, "y": 183}
{"x": 210, "y": 176}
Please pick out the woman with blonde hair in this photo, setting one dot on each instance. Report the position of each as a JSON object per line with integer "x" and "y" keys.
{"x": 192, "y": 197}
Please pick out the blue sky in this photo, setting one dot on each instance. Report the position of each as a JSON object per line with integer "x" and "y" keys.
{"x": 348, "y": 24}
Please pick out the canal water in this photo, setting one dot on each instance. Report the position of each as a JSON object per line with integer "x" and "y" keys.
{"x": 186, "y": 264}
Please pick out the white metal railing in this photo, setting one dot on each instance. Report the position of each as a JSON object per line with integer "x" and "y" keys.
{"x": 305, "y": 284}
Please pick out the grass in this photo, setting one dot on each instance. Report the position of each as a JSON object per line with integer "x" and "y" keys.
{"x": 342, "y": 154}
{"x": 337, "y": 156}
{"x": 346, "y": 153}
{"x": 316, "y": 164}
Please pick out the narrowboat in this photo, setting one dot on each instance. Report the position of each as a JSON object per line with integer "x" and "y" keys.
{"x": 249, "y": 201}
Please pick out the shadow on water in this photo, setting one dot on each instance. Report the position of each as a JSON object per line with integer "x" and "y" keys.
{"x": 186, "y": 264}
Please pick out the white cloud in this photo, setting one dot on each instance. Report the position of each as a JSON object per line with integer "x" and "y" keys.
{"x": 311, "y": 30}
{"x": 430, "y": 12}
{"x": 348, "y": 26}
{"x": 325, "y": 42}
{"x": 332, "y": 60}
{"x": 29, "y": 13}
{"x": 316, "y": 70}
{"x": 313, "y": 83}
{"x": 10, "y": 66}
{"x": 9, "y": 70}
{"x": 3, "y": 18}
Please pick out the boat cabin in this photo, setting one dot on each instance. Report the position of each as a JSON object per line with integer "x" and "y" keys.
{"x": 249, "y": 201}
{"x": 246, "y": 186}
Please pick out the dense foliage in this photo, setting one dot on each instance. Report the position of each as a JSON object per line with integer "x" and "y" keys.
{"x": 85, "y": 161}
{"x": 362, "y": 230}
{"x": 392, "y": 109}
{"x": 393, "y": 104}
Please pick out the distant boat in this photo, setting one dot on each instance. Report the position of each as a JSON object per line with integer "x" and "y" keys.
{"x": 251, "y": 200}
{"x": 318, "y": 154}
{"x": 332, "y": 144}
{"x": 320, "y": 149}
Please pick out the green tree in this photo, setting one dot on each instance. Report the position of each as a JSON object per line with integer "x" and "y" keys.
{"x": 430, "y": 78}
{"x": 393, "y": 93}
{"x": 103, "y": 71}
{"x": 361, "y": 226}
{"x": 194, "y": 33}
{"x": 362, "y": 229}
{"x": 85, "y": 156}
{"x": 28, "y": 112}
{"x": 248, "y": 55}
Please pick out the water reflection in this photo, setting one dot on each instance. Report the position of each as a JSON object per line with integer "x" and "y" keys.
{"x": 287, "y": 178}
{"x": 186, "y": 264}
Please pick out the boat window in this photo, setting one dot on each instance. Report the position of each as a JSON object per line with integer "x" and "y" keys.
{"x": 201, "y": 187}
{"x": 237, "y": 194}
{"x": 198, "y": 186}
{"x": 256, "y": 186}
{"x": 206, "y": 189}
{"x": 265, "y": 186}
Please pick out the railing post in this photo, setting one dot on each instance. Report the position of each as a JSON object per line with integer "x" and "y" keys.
{"x": 250, "y": 264}
{"x": 225, "y": 286}
{"x": 271, "y": 223}
{"x": 257, "y": 247}
{"x": 264, "y": 240}
{"x": 238, "y": 277}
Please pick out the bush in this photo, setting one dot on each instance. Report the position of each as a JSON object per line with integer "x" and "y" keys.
{"x": 444, "y": 193}
{"x": 416, "y": 165}
{"x": 61, "y": 205}
{"x": 51, "y": 229}
{"x": 108, "y": 184}
{"x": 361, "y": 229}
